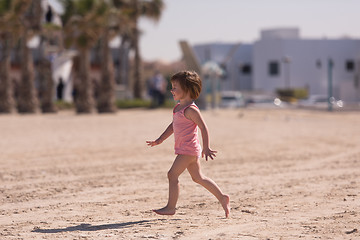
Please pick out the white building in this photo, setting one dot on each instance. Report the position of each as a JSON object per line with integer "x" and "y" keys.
{"x": 282, "y": 59}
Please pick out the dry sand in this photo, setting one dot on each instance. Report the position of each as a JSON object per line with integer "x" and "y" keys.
{"x": 291, "y": 174}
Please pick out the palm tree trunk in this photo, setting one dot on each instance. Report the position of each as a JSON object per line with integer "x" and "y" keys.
{"x": 27, "y": 93}
{"x": 106, "y": 97}
{"x": 84, "y": 99}
{"x": 46, "y": 87}
{"x": 6, "y": 90}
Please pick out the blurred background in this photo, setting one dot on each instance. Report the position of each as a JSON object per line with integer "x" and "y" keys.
{"x": 101, "y": 55}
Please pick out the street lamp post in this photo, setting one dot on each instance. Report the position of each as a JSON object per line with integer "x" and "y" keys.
{"x": 330, "y": 83}
{"x": 287, "y": 61}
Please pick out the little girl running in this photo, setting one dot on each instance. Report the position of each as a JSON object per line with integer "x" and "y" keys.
{"x": 186, "y": 87}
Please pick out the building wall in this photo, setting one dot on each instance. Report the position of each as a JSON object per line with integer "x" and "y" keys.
{"x": 239, "y": 69}
{"x": 301, "y": 63}
{"x": 232, "y": 57}
{"x": 308, "y": 66}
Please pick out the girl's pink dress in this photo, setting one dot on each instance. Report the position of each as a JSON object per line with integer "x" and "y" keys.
{"x": 186, "y": 134}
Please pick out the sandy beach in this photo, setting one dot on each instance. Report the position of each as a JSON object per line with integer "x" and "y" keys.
{"x": 290, "y": 174}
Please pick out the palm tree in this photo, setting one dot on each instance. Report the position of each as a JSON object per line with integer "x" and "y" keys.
{"x": 6, "y": 96}
{"x": 11, "y": 29}
{"x": 27, "y": 102}
{"x": 46, "y": 83}
{"x": 82, "y": 25}
{"x": 135, "y": 9}
{"x": 6, "y": 91}
{"x": 106, "y": 88}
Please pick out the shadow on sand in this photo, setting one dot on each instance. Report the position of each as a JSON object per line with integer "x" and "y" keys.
{"x": 89, "y": 227}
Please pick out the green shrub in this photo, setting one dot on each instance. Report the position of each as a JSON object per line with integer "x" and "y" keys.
{"x": 133, "y": 103}
{"x": 292, "y": 94}
{"x": 285, "y": 92}
{"x": 301, "y": 93}
{"x": 62, "y": 105}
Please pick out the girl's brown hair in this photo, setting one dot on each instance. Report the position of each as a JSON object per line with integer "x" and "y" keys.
{"x": 189, "y": 82}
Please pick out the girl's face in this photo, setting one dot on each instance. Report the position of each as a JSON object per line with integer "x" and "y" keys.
{"x": 177, "y": 92}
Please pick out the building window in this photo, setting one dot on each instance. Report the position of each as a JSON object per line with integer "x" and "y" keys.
{"x": 350, "y": 65}
{"x": 274, "y": 68}
{"x": 246, "y": 69}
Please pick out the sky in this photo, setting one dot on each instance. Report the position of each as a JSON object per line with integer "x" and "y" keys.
{"x": 234, "y": 21}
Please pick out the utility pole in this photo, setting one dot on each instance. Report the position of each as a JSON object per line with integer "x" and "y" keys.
{"x": 330, "y": 83}
{"x": 287, "y": 62}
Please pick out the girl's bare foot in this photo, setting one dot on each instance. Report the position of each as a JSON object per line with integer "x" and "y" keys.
{"x": 225, "y": 203}
{"x": 164, "y": 211}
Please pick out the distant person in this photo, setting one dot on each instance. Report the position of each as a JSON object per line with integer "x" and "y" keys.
{"x": 49, "y": 15}
{"x": 60, "y": 89}
{"x": 186, "y": 87}
{"x": 158, "y": 89}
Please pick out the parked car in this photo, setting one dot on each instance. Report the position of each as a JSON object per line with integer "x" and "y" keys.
{"x": 232, "y": 99}
{"x": 320, "y": 101}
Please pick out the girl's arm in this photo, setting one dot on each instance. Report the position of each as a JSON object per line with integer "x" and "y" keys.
{"x": 194, "y": 114}
{"x": 167, "y": 133}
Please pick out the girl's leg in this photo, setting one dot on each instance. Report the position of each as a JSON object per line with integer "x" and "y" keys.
{"x": 210, "y": 185}
{"x": 180, "y": 164}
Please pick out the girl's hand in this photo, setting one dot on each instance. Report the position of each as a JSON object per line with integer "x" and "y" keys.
{"x": 154, "y": 143}
{"x": 207, "y": 152}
